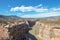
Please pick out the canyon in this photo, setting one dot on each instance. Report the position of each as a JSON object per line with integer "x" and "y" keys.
{"x": 30, "y": 29}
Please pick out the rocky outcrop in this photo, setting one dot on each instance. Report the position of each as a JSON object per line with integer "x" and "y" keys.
{"x": 24, "y": 30}
{"x": 46, "y": 31}
{"x": 4, "y": 34}
{"x": 14, "y": 31}
{"x": 19, "y": 32}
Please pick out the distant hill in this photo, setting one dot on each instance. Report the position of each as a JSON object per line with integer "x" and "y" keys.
{"x": 53, "y": 17}
{"x": 14, "y": 16}
{"x": 11, "y": 16}
{"x": 2, "y": 16}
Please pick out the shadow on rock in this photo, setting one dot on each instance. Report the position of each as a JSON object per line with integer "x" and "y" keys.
{"x": 31, "y": 37}
{"x": 31, "y": 23}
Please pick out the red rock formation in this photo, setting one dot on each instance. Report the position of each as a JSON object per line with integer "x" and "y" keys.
{"x": 4, "y": 34}
{"x": 19, "y": 32}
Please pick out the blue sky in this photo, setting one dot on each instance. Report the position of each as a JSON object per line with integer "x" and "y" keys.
{"x": 30, "y": 8}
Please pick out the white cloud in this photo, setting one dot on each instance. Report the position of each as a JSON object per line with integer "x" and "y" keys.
{"x": 41, "y": 15}
{"x": 40, "y": 5}
{"x": 39, "y": 9}
{"x": 14, "y": 9}
{"x": 30, "y": 8}
{"x": 56, "y": 9}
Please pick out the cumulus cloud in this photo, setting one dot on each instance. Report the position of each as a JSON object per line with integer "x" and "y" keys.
{"x": 39, "y": 10}
{"x": 23, "y": 8}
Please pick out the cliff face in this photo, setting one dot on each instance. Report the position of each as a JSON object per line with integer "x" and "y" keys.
{"x": 4, "y": 34}
{"x": 46, "y": 31}
{"x": 19, "y": 32}
{"x": 30, "y": 30}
